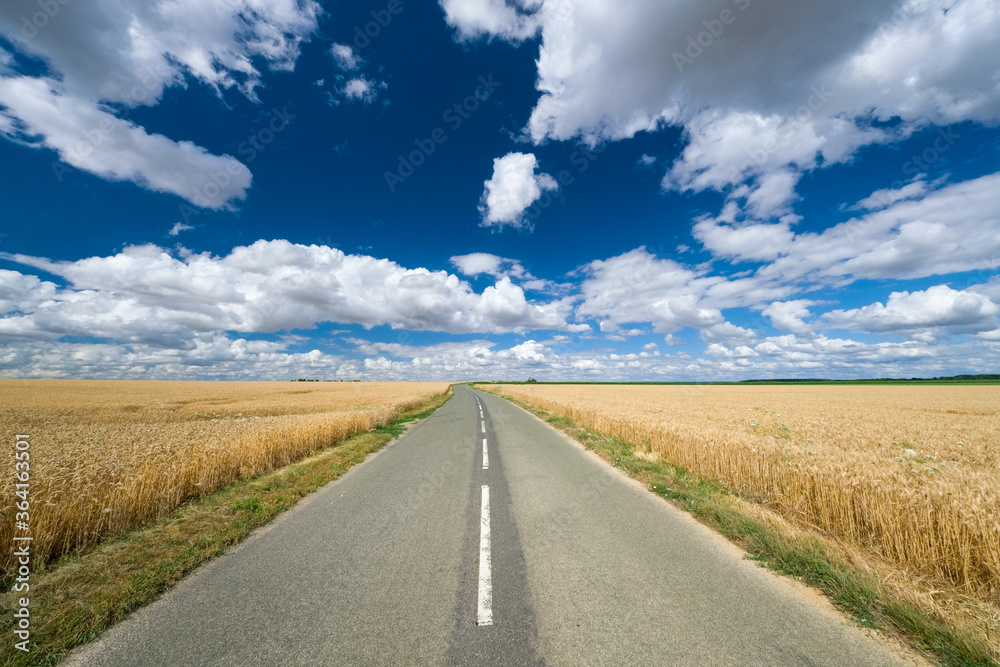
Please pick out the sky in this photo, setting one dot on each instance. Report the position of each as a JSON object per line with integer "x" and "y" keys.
{"x": 603, "y": 190}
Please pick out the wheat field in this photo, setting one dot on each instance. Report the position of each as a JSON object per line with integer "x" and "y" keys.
{"x": 908, "y": 473}
{"x": 107, "y": 455}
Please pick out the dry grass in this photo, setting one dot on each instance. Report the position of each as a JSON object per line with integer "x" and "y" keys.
{"x": 106, "y": 456}
{"x": 908, "y": 474}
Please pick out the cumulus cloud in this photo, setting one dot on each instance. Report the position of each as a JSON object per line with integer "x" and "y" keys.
{"x": 352, "y": 86}
{"x": 727, "y": 333}
{"x": 764, "y": 91}
{"x": 924, "y": 315}
{"x": 213, "y": 356}
{"x": 149, "y": 313}
{"x": 146, "y": 294}
{"x": 513, "y": 188}
{"x": 362, "y": 89}
{"x": 790, "y": 315}
{"x": 220, "y": 356}
{"x": 745, "y": 242}
{"x": 479, "y": 263}
{"x": 483, "y": 263}
{"x": 778, "y": 356}
{"x": 345, "y": 57}
{"x": 638, "y": 287}
{"x": 952, "y": 229}
{"x": 125, "y": 54}
{"x": 514, "y": 21}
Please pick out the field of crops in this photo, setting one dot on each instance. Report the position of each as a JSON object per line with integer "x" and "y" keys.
{"x": 110, "y": 455}
{"x": 910, "y": 474}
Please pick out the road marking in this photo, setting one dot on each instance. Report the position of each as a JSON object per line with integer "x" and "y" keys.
{"x": 485, "y": 615}
{"x": 484, "y": 426}
{"x": 486, "y": 456}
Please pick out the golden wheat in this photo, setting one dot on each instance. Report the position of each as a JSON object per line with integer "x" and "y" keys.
{"x": 109, "y": 455}
{"x": 909, "y": 473}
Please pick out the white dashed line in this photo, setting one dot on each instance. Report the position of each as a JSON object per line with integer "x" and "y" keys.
{"x": 484, "y": 426}
{"x": 486, "y": 456}
{"x": 485, "y": 615}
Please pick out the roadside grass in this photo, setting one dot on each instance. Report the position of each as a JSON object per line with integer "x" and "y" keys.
{"x": 855, "y": 589}
{"x": 77, "y": 597}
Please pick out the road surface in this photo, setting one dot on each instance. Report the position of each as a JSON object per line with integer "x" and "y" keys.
{"x": 484, "y": 537}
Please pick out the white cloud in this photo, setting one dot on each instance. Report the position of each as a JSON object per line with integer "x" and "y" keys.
{"x": 727, "y": 333}
{"x": 216, "y": 355}
{"x": 210, "y": 356}
{"x": 727, "y": 147}
{"x": 764, "y": 91}
{"x": 126, "y": 53}
{"x": 363, "y": 89}
{"x": 953, "y": 229}
{"x": 881, "y": 199}
{"x": 790, "y": 315}
{"x": 990, "y": 288}
{"x": 178, "y": 228}
{"x": 91, "y": 139}
{"x": 478, "y": 263}
{"x": 21, "y": 293}
{"x": 513, "y": 188}
{"x": 780, "y": 356}
{"x": 145, "y": 294}
{"x": 749, "y": 242}
{"x": 926, "y": 314}
{"x": 638, "y": 287}
{"x": 345, "y": 57}
{"x": 482, "y": 263}
{"x": 354, "y": 86}
{"x": 512, "y": 21}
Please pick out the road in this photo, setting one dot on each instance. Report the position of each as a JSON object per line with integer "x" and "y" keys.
{"x": 400, "y": 563}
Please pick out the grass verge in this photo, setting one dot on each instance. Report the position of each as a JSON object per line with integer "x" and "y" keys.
{"x": 76, "y": 598}
{"x": 859, "y": 591}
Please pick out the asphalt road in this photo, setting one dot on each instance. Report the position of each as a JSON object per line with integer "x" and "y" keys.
{"x": 396, "y": 564}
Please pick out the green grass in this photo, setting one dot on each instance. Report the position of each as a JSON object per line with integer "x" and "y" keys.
{"x": 859, "y": 593}
{"x": 76, "y": 598}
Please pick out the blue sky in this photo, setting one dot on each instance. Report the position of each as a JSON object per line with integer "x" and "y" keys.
{"x": 479, "y": 189}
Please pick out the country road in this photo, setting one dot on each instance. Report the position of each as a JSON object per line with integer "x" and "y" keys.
{"x": 484, "y": 537}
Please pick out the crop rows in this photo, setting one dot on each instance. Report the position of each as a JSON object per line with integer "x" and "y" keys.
{"x": 910, "y": 474}
{"x": 106, "y": 456}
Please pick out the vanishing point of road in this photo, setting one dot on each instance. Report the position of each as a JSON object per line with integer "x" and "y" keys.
{"x": 483, "y": 536}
